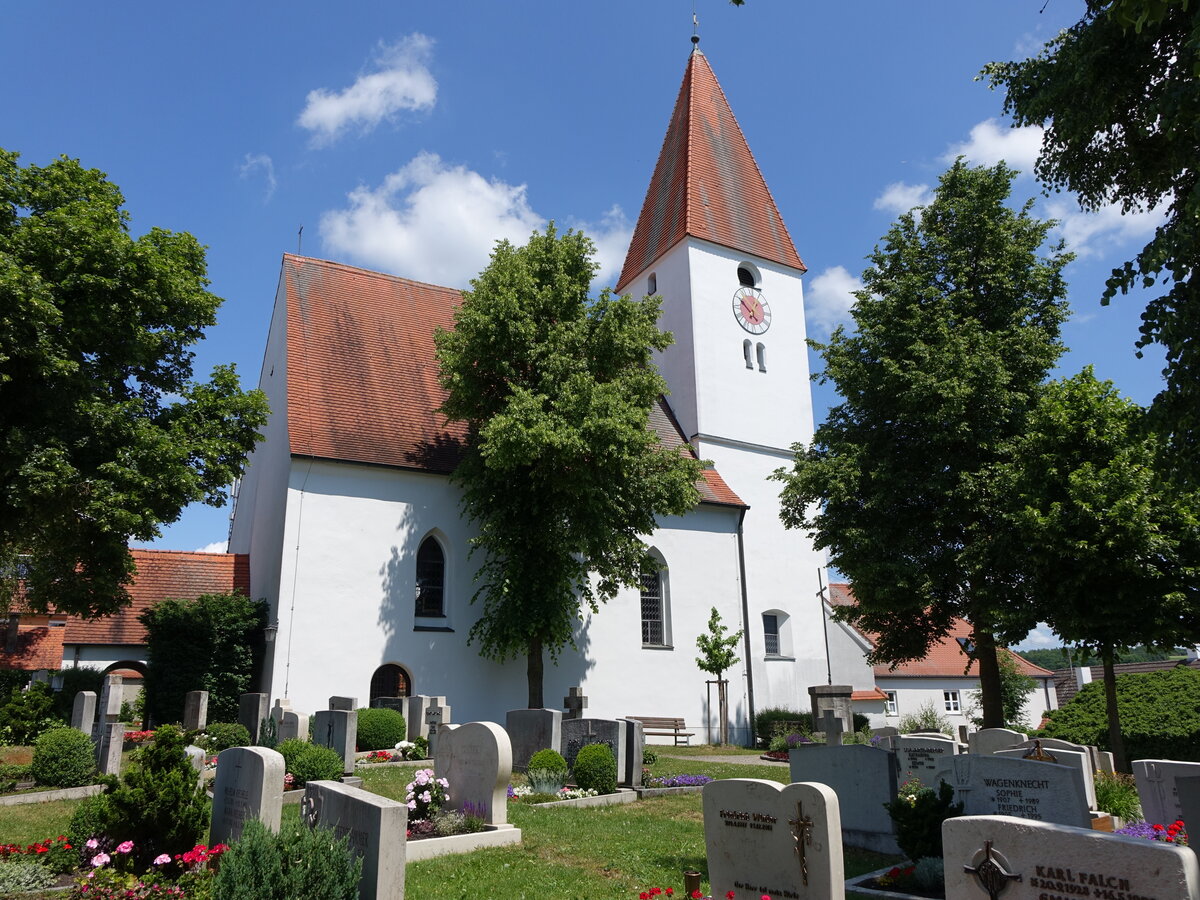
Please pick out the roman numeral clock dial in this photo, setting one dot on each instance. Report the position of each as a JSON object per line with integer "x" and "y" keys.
{"x": 751, "y": 310}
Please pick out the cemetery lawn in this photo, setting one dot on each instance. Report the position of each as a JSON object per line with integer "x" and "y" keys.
{"x": 704, "y": 750}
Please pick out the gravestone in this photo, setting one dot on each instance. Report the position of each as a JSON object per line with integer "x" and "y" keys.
{"x": 996, "y": 856}
{"x": 883, "y": 737}
{"x": 630, "y": 775}
{"x": 864, "y": 778}
{"x": 293, "y": 725}
{"x": 399, "y": 704}
{"x": 195, "y": 710}
{"x": 476, "y": 759}
{"x": 375, "y": 827}
{"x": 109, "y": 710}
{"x": 835, "y": 697}
{"x": 964, "y": 736}
{"x": 434, "y": 720}
{"x": 926, "y": 757}
{"x": 578, "y": 733}
{"x": 1005, "y": 786}
{"x": 1095, "y": 754}
{"x": 345, "y": 704}
{"x": 574, "y": 703}
{"x": 1188, "y": 790}
{"x": 1157, "y": 788}
{"x": 1079, "y": 760}
{"x": 249, "y": 785}
{"x": 417, "y": 704}
{"x": 338, "y": 730}
{"x": 83, "y": 712}
{"x": 252, "y": 710}
{"x": 764, "y": 838}
{"x": 831, "y": 727}
{"x": 531, "y": 730}
{"x": 991, "y": 740}
{"x": 108, "y": 748}
{"x": 196, "y": 757}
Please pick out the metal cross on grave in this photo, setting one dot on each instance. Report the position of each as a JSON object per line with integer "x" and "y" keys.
{"x": 575, "y": 703}
{"x": 802, "y": 827}
{"x": 831, "y": 724}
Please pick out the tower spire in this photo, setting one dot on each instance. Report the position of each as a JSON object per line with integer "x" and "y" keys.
{"x": 695, "y": 28}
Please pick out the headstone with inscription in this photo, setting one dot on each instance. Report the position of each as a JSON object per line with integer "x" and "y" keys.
{"x": 864, "y": 778}
{"x": 338, "y": 730}
{"x": 108, "y": 748}
{"x": 531, "y": 730}
{"x": 1157, "y": 788}
{"x": 765, "y": 838}
{"x": 1038, "y": 791}
{"x": 343, "y": 703}
{"x": 83, "y": 712}
{"x": 399, "y": 704}
{"x": 195, "y": 710}
{"x": 249, "y": 785}
{"x": 433, "y": 725}
{"x": 476, "y": 759}
{"x": 417, "y": 704}
{"x": 997, "y": 856}
{"x": 990, "y": 740}
{"x": 629, "y": 770}
{"x": 578, "y": 733}
{"x": 375, "y": 828}
{"x": 926, "y": 757}
{"x": 1082, "y": 761}
{"x": 252, "y": 710}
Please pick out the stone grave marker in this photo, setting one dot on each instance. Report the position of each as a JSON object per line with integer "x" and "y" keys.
{"x": 433, "y": 725}
{"x": 531, "y": 730}
{"x": 765, "y": 838}
{"x": 1081, "y": 761}
{"x": 578, "y": 733}
{"x": 195, "y": 710}
{"x": 109, "y": 710}
{"x": 887, "y": 731}
{"x": 108, "y": 748}
{"x": 476, "y": 759}
{"x": 249, "y": 785}
{"x": 1157, "y": 788}
{"x": 1188, "y": 790}
{"x": 417, "y": 704}
{"x": 864, "y": 778}
{"x": 343, "y": 703}
{"x": 1027, "y": 789}
{"x": 399, "y": 704}
{"x": 83, "y": 712}
{"x": 996, "y": 856}
{"x": 574, "y": 703}
{"x": 964, "y": 736}
{"x": 630, "y": 775}
{"x": 252, "y": 709}
{"x": 831, "y": 727}
{"x": 338, "y": 730}
{"x": 41, "y": 676}
{"x": 293, "y": 725}
{"x": 924, "y": 756}
{"x": 990, "y": 740}
{"x": 196, "y": 757}
{"x": 1099, "y": 762}
{"x": 375, "y": 827}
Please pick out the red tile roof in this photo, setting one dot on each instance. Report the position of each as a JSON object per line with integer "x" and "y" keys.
{"x": 945, "y": 659}
{"x": 706, "y": 184}
{"x": 38, "y": 647}
{"x": 363, "y": 377}
{"x": 874, "y": 693}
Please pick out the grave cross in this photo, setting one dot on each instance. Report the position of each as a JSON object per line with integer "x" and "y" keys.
{"x": 802, "y": 827}
{"x": 433, "y": 718}
{"x": 831, "y": 724}
{"x": 991, "y": 875}
{"x": 575, "y": 703}
{"x": 1037, "y": 753}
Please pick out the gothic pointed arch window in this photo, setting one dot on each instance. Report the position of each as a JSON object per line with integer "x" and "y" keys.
{"x": 656, "y": 607}
{"x": 431, "y": 580}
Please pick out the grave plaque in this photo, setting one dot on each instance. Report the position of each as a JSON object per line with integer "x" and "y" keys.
{"x": 1026, "y": 789}
{"x": 249, "y": 785}
{"x": 195, "y": 710}
{"x": 864, "y": 778}
{"x": 83, "y": 712}
{"x": 338, "y": 730}
{"x": 531, "y": 730}
{"x": 375, "y": 827}
{"x": 990, "y": 740}
{"x": 988, "y": 857}
{"x": 926, "y": 757}
{"x": 476, "y": 759}
{"x": 1157, "y": 790}
{"x": 1074, "y": 758}
{"x": 578, "y": 733}
{"x": 765, "y": 838}
{"x": 252, "y": 709}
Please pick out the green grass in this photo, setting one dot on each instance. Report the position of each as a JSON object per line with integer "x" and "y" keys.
{"x": 703, "y": 750}
{"x": 29, "y": 823}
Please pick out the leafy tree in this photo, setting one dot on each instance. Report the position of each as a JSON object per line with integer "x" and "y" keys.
{"x": 716, "y": 656}
{"x": 1112, "y": 547}
{"x": 103, "y": 433}
{"x": 561, "y": 473}
{"x": 1015, "y": 686}
{"x": 1068, "y": 657}
{"x": 1119, "y": 97}
{"x": 957, "y": 326}
{"x": 213, "y": 643}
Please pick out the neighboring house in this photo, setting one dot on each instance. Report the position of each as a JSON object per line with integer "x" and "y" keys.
{"x": 354, "y": 530}
{"x": 1067, "y": 682}
{"x": 945, "y": 678}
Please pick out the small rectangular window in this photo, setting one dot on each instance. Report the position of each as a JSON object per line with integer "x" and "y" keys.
{"x": 890, "y": 706}
{"x": 951, "y": 700}
{"x": 771, "y": 634}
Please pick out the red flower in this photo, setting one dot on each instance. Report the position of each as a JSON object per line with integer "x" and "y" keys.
{"x": 730, "y": 895}
{"x": 696, "y": 895}
{"x": 643, "y": 896}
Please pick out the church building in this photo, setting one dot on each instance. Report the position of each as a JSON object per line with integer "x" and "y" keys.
{"x": 353, "y": 527}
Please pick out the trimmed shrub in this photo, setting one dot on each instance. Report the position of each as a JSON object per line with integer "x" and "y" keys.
{"x": 289, "y": 750}
{"x": 220, "y": 736}
{"x": 547, "y": 759}
{"x": 314, "y": 763}
{"x": 380, "y": 729}
{"x": 778, "y": 720}
{"x": 299, "y": 863}
{"x": 596, "y": 769}
{"x": 63, "y": 757}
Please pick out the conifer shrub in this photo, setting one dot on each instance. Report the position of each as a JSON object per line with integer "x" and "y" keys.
{"x": 90, "y": 820}
{"x": 220, "y": 736}
{"x": 27, "y": 714}
{"x": 380, "y": 729}
{"x": 918, "y": 813}
{"x": 596, "y": 769}
{"x": 62, "y": 758}
{"x": 315, "y": 763}
{"x": 299, "y": 863}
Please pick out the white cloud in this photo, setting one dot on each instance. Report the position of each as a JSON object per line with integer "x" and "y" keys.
{"x": 401, "y": 80}
{"x": 1040, "y": 638}
{"x": 611, "y": 236}
{"x": 990, "y": 143}
{"x": 828, "y": 299}
{"x": 259, "y": 162}
{"x": 899, "y": 197}
{"x": 1089, "y": 232}
{"x": 214, "y": 547}
{"x": 430, "y": 221}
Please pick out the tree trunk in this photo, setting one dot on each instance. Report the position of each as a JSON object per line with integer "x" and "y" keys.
{"x": 533, "y": 672}
{"x": 723, "y": 706}
{"x": 989, "y": 680}
{"x": 1110, "y": 707}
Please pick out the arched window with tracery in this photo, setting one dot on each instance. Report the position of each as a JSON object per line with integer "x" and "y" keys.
{"x": 431, "y": 580}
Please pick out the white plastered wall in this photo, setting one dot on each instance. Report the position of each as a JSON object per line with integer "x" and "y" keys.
{"x": 913, "y": 692}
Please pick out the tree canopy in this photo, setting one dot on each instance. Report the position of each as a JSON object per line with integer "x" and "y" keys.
{"x": 955, "y": 330}
{"x": 1118, "y": 94}
{"x": 103, "y": 433}
{"x": 561, "y": 474}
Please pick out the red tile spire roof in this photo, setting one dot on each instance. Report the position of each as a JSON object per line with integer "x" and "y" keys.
{"x": 706, "y": 184}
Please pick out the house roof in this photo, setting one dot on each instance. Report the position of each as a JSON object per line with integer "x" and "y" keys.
{"x": 945, "y": 658}
{"x": 707, "y": 184}
{"x": 38, "y": 646}
{"x": 362, "y": 375}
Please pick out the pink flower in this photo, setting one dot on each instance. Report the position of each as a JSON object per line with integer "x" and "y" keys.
{"x": 162, "y": 859}
{"x": 92, "y": 844}
{"x": 100, "y": 859}
{"x": 124, "y": 847}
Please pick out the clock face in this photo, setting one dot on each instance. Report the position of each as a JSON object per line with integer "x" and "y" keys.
{"x": 751, "y": 310}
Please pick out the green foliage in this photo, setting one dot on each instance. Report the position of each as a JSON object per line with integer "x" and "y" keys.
{"x": 380, "y": 729}
{"x": 649, "y": 755}
{"x": 955, "y": 328}
{"x": 930, "y": 872}
{"x": 80, "y": 678}
{"x": 546, "y": 781}
{"x": 13, "y": 680}
{"x": 20, "y": 875}
{"x": 1014, "y": 692}
{"x": 1160, "y": 715}
{"x": 1069, "y": 657}
{"x": 927, "y": 718}
{"x": 62, "y": 758}
{"x": 716, "y": 648}
{"x": 106, "y": 433}
{"x": 918, "y": 814}
{"x": 315, "y": 763}
{"x": 212, "y": 643}
{"x": 27, "y": 714}
{"x": 90, "y": 820}
{"x": 268, "y": 733}
{"x": 290, "y": 749}
{"x": 134, "y": 713}
{"x": 420, "y": 748}
{"x": 596, "y": 769}
{"x": 299, "y": 863}
{"x": 548, "y": 759}
{"x": 777, "y": 720}
{"x": 1116, "y": 794}
{"x": 218, "y": 736}
{"x": 561, "y": 474}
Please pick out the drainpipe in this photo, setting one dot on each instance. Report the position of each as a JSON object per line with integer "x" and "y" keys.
{"x": 746, "y": 622}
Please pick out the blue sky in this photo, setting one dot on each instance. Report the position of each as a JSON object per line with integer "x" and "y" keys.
{"x": 409, "y": 136}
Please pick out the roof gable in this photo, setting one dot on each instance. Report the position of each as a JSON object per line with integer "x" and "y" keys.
{"x": 706, "y": 184}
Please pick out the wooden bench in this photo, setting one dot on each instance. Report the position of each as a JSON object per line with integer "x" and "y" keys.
{"x": 664, "y": 726}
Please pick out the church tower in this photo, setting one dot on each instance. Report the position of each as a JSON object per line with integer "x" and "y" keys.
{"x": 710, "y": 240}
